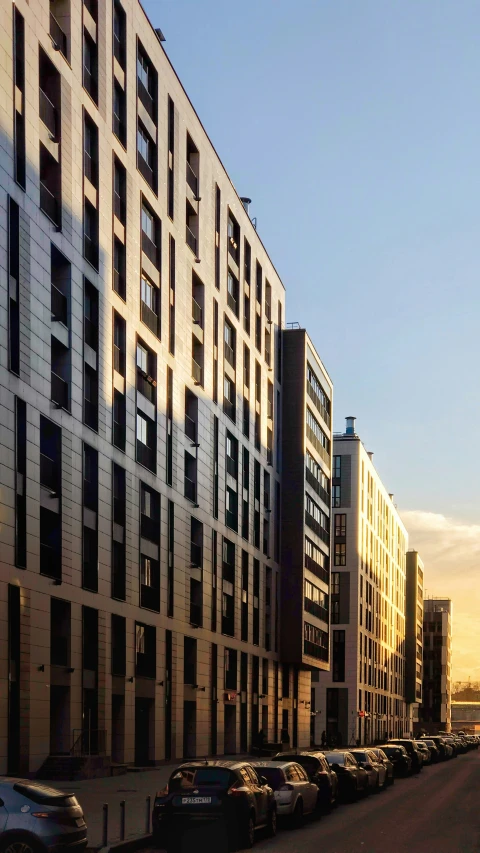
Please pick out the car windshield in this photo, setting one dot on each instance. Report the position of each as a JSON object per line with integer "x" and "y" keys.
{"x": 394, "y": 751}
{"x": 360, "y": 756}
{"x": 273, "y": 775}
{"x": 335, "y": 757}
{"x": 194, "y": 777}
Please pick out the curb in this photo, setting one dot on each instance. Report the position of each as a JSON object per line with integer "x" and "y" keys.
{"x": 128, "y": 846}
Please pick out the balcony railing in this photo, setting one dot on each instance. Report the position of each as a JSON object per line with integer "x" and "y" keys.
{"x": 190, "y": 489}
{"x": 90, "y": 250}
{"x": 50, "y": 561}
{"x": 231, "y": 519}
{"x": 90, "y": 83}
{"x": 268, "y": 311}
{"x": 150, "y": 597}
{"x": 149, "y": 318}
{"x": 89, "y": 742}
{"x": 313, "y": 482}
{"x": 145, "y": 387}
{"x": 59, "y": 305}
{"x": 318, "y": 445}
{"x": 119, "y": 283}
{"x": 149, "y": 248}
{"x": 118, "y": 50}
{"x": 318, "y": 403}
{"x": 119, "y": 207}
{"x": 146, "y": 456}
{"x": 90, "y": 413}
{"x": 197, "y": 313}
{"x": 59, "y": 391}
{"x": 190, "y": 428}
{"x": 232, "y": 467}
{"x": 268, "y": 356}
{"x": 49, "y": 473}
{"x": 149, "y": 528}
{"x": 57, "y": 35}
{"x": 118, "y": 360}
{"x": 229, "y": 354}
{"x": 91, "y": 333}
{"x": 232, "y": 303}
{"x": 119, "y": 435}
{"x": 49, "y": 204}
{"x": 146, "y": 98}
{"x": 90, "y": 168}
{"x": 316, "y": 609}
{"x": 315, "y": 651}
{"x": 191, "y": 240}
{"x": 195, "y": 614}
{"x": 48, "y": 114}
{"x": 145, "y": 170}
{"x": 196, "y": 555}
{"x": 229, "y": 408}
{"x": 316, "y": 569}
{"x": 192, "y": 180}
{"x": 119, "y": 128}
{"x": 196, "y": 372}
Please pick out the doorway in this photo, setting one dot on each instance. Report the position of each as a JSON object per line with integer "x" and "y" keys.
{"x": 118, "y": 727}
{"x": 230, "y": 742}
{"x": 59, "y": 720}
{"x": 189, "y": 729}
{"x": 143, "y": 730}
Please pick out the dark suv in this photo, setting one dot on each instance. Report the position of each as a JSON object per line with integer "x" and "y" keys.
{"x": 318, "y": 770}
{"x": 200, "y": 791}
{"x": 413, "y": 751}
{"x": 352, "y": 779}
{"x": 402, "y": 763}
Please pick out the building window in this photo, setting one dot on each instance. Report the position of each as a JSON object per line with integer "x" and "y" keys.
{"x": 340, "y": 525}
{"x": 90, "y": 72}
{"x": 336, "y": 496}
{"x": 337, "y": 467}
{"x": 340, "y": 558}
{"x": 335, "y": 587}
{"x": 119, "y": 114}
{"x": 146, "y": 149}
{"x": 229, "y": 344}
{"x": 338, "y": 656}
{"x": 233, "y": 235}
{"x": 229, "y": 398}
{"x": 232, "y": 292}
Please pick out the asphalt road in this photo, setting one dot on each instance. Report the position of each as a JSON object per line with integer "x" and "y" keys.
{"x": 435, "y": 812}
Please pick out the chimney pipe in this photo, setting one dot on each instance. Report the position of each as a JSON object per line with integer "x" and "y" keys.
{"x": 390, "y": 495}
{"x": 246, "y": 202}
{"x": 350, "y": 425}
{"x": 370, "y": 454}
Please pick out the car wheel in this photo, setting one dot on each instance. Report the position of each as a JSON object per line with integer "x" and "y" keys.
{"x": 17, "y": 844}
{"x": 272, "y": 823}
{"x": 248, "y": 834}
{"x": 298, "y": 814}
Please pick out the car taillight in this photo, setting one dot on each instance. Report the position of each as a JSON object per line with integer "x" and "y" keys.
{"x": 237, "y": 790}
{"x": 286, "y": 787}
{"x": 41, "y": 814}
{"x": 162, "y": 793}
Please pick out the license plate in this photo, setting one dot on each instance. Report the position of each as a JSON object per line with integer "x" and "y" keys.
{"x": 187, "y": 800}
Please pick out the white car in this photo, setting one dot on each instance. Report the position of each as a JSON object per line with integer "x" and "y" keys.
{"x": 295, "y": 795}
{"x": 377, "y": 772}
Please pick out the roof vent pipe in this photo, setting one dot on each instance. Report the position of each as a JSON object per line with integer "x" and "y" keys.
{"x": 390, "y": 495}
{"x": 370, "y": 455}
{"x": 350, "y": 425}
{"x": 246, "y": 202}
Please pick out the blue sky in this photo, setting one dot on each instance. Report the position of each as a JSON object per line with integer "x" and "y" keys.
{"x": 354, "y": 125}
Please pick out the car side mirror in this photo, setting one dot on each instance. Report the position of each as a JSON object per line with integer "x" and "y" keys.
{"x": 263, "y": 781}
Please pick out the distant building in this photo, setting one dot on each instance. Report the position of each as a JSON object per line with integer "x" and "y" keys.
{"x": 413, "y": 636}
{"x": 466, "y": 717}
{"x": 363, "y": 695}
{"x": 435, "y": 711}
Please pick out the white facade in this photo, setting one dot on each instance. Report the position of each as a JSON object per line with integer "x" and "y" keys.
{"x": 363, "y": 696}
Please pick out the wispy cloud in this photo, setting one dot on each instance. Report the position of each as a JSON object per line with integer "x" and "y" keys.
{"x": 450, "y": 550}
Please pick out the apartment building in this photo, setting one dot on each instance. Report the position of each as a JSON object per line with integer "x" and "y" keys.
{"x": 363, "y": 696}
{"x": 436, "y": 708}
{"x": 413, "y": 636}
{"x": 306, "y": 470}
{"x": 140, "y": 416}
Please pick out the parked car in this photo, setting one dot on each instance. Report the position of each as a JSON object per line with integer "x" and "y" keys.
{"x": 472, "y": 741}
{"x": 34, "y": 817}
{"x": 425, "y": 750}
{"x": 450, "y": 741}
{"x": 389, "y": 766}
{"x": 199, "y": 791}
{"x": 376, "y": 771}
{"x": 444, "y": 750}
{"x": 295, "y": 795}
{"x": 398, "y": 755}
{"x": 434, "y": 750}
{"x": 413, "y": 751}
{"x": 352, "y": 779}
{"x": 318, "y": 770}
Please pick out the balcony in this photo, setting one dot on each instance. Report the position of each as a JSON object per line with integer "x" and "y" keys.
{"x": 90, "y": 250}
{"x": 49, "y": 473}
{"x": 150, "y": 249}
{"x": 191, "y": 240}
{"x": 50, "y": 561}
{"x": 150, "y": 597}
{"x": 229, "y": 355}
{"x": 190, "y": 489}
{"x": 49, "y": 204}
{"x": 58, "y": 37}
{"x": 316, "y": 609}
{"x": 316, "y": 569}
{"x": 145, "y": 387}
{"x": 145, "y": 170}
{"x": 197, "y": 313}
{"x": 196, "y": 372}
{"x": 48, "y": 114}
{"x": 149, "y": 318}
{"x": 318, "y": 403}
{"x": 192, "y": 180}
{"x": 59, "y": 305}
{"x": 313, "y": 482}
{"x": 146, "y": 98}
{"x": 314, "y": 651}
{"x": 59, "y": 391}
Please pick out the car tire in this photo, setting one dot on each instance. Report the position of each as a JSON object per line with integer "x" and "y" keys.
{"x": 19, "y": 844}
{"x": 298, "y": 817}
{"x": 247, "y": 836}
{"x": 272, "y": 823}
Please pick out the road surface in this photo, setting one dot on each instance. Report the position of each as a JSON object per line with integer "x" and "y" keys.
{"x": 435, "y": 812}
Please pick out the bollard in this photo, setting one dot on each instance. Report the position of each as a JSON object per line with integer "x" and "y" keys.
{"x": 122, "y": 820}
{"x": 147, "y": 816}
{"x": 105, "y": 825}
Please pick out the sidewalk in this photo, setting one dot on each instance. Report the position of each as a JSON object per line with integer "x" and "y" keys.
{"x": 134, "y": 788}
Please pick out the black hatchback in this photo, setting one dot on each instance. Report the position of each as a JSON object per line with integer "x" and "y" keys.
{"x": 202, "y": 791}
{"x": 318, "y": 771}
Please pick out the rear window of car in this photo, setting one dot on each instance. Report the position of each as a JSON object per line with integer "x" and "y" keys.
{"x": 273, "y": 775}
{"x": 311, "y": 764}
{"x": 360, "y": 756}
{"x": 335, "y": 757}
{"x": 194, "y": 777}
